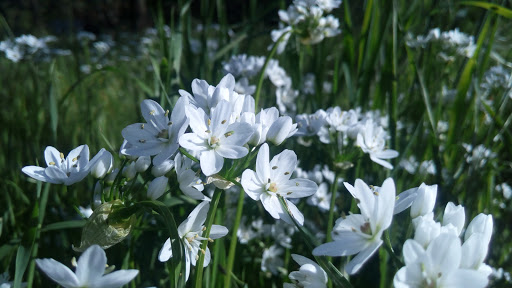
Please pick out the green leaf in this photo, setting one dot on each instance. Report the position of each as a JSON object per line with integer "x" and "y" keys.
{"x": 22, "y": 259}
{"x": 500, "y": 10}
{"x": 64, "y": 225}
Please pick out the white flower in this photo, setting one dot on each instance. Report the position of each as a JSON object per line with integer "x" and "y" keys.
{"x": 270, "y": 261}
{"x": 103, "y": 165}
{"x": 159, "y": 136}
{"x": 309, "y": 125}
{"x": 272, "y": 179}
{"x": 60, "y": 170}
{"x": 437, "y": 266}
{"x": 89, "y": 271}
{"x": 162, "y": 168}
{"x": 322, "y": 198}
{"x": 361, "y": 233}
{"x": 157, "y": 187}
{"x": 191, "y": 234}
{"x": 142, "y": 164}
{"x": 309, "y": 275}
{"x": 216, "y": 138}
{"x": 455, "y": 216}
{"x": 372, "y": 140}
{"x": 190, "y": 183}
{"x": 425, "y": 200}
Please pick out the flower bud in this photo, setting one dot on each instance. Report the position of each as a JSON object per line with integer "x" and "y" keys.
{"x": 480, "y": 224}
{"x": 142, "y": 164}
{"x": 111, "y": 176}
{"x": 157, "y": 187}
{"x": 103, "y": 231}
{"x": 454, "y": 215}
{"x": 103, "y": 165}
{"x": 129, "y": 171}
{"x": 162, "y": 169}
{"x": 425, "y": 201}
{"x": 281, "y": 129}
{"x": 426, "y": 231}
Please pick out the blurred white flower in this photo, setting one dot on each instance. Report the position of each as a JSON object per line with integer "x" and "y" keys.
{"x": 372, "y": 140}
{"x": 103, "y": 165}
{"x": 271, "y": 260}
{"x": 190, "y": 183}
{"x": 90, "y": 271}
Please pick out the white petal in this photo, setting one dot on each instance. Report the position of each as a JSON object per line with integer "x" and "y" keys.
{"x": 298, "y": 188}
{"x": 198, "y": 120}
{"x": 58, "y": 272}
{"x": 241, "y": 133}
{"x": 383, "y": 211}
{"x": 91, "y": 264}
{"x": 412, "y": 251}
{"x": 220, "y": 118}
{"x": 464, "y": 278}
{"x": 262, "y": 164}
{"x": 251, "y": 184}
{"x": 404, "y": 200}
{"x": 115, "y": 279}
{"x": 282, "y": 165}
{"x": 193, "y": 142}
{"x": 211, "y": 162}
{"x": 195, "y": 219}
{"x": 52, "y": 155}
{"x": 231, "y": 151}
{"x": 154, "y": 114}
{"x": 166, "y": 251}
{"x": 445, "y": 252}
{"x": 348, "y": 243}
{"x": 297, "y": 215}
{"x": 38, "y": 173}
{"x": 272, "y": 205}
{"x": 218, "y": 231}
{"x": 381, "y": 162}
{"x": 56, "y": 174}
{"x": 357, "y": 262}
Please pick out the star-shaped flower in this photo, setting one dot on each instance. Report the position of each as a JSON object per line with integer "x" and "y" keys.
{"x": 159, "y": 136}
{"x": 64, "y": 170}
{"x": 272, "y": 179}
{"x": 361, "y": 233}
{"x": 191, "y": 234}
{"x": 89, "y": 273}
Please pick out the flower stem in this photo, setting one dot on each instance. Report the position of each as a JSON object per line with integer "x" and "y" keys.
{"x": 334, "y": 189}
{"x": 234, "y": 239}
{"x": 264, "y": 68}
{"x": 209, "y": 223}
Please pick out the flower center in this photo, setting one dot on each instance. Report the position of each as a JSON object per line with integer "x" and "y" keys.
{"x": 214, "y": 141}
{"x": 164, "y": 134}
{"x": 272, "y": 187}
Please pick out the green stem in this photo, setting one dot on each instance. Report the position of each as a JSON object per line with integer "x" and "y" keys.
{"x": 234, "y": 238}
{"x": 209, "y": 223}
{"x": 184, "y": 152}
{"x": 334, "y": 189}
{"x": 35, "y": 246}
{"x": 264, "y": 68}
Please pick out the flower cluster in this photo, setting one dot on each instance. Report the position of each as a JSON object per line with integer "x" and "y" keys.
{"x": 30, "y": 47}
{"x": 306, "y": 20}
{"x": 335, "y": 124}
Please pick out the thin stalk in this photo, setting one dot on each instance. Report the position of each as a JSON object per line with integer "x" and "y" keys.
{"x": 35, "y": 246}
{"x": 209, "y": 223}
{"x": 264, "y": 68}
{"x": 334, "y": 189}
{"x": 234, "y": 239}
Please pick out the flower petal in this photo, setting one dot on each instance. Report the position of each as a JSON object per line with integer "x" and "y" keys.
{"x": 91, "y": 264}
{"x": 357, "y": 262}
{"x": 115, "y": 279}
{"x": 58, "y": 272}
{"x": 262, "y": 164}
{"x": 38, "y": 173}
{"x": 166, "y": 251}
{"x": 211, "y": 162}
